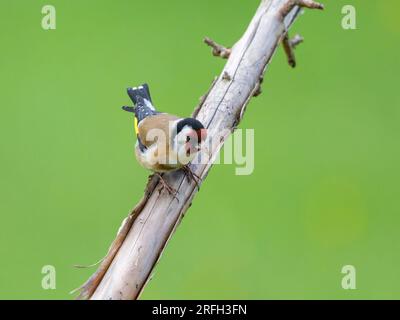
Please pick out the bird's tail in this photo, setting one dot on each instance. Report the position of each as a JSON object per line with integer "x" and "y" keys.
{"x": 139, "y": 93}
{"x": 142, "y": 100}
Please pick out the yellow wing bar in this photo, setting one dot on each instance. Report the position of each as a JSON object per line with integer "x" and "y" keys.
{"x": 136, "y": 126}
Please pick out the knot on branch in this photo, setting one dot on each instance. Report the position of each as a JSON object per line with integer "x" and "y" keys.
{"x": 257, "y": 89}
{"x": 226, "y": 76}
{"x": 217, "y": 49}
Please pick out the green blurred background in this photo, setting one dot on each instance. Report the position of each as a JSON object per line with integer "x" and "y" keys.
{"x": 324, "y": 192}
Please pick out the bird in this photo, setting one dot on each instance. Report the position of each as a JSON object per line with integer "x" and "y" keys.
{"x": 165, "y": 142}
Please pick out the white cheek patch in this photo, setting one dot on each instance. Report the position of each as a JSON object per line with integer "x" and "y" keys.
{"x": 183, "y": 157}
{"x": 180, "y": 138}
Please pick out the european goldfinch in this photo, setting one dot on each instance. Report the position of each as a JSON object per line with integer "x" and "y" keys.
{"x": 165, "y": 142}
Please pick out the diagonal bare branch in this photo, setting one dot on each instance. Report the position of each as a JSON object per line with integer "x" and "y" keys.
{"x": 143, "y": 236}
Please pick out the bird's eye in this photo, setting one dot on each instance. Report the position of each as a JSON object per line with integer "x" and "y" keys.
{"x": 187, "y": 138}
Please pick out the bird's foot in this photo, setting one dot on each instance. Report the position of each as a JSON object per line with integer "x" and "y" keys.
{"x": 192, "y": 176}
{"x": 167, "y": 187}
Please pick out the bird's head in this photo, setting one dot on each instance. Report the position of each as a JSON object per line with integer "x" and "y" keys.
{"x": 191, "y": 133}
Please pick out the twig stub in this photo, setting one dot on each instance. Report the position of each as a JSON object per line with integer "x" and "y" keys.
{"x": 296, "y": 40}
{"x": 289, "y": 45}
{"x": 226, "y": 76}
{"x": 217, "y": 49}
{"x": 301, "y": 3}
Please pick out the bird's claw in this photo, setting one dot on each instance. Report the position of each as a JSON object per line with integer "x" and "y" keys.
{"x": 167, "y": 187}
{"x": 192, "y": 176}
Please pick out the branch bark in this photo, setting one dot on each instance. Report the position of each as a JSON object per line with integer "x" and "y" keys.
{"x": 126, "y": 269}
